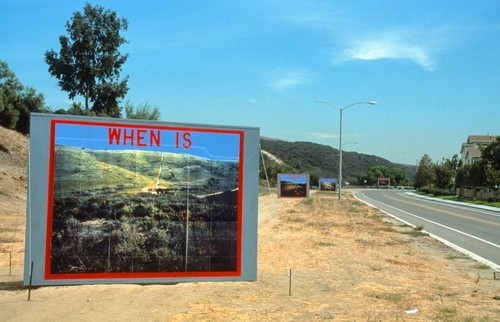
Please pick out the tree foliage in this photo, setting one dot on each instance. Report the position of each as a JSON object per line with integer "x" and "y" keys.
{"x": 425, "y": 172}
{"x": 449, "y": 173}
{"x": 445, "y": 172}
{"x": 143, "y": 111}
{"x": 89, "y": 62}
{"x": 397, "y": 175}
{"x": 17, "y": 101}
{"x": 491, "y": 162}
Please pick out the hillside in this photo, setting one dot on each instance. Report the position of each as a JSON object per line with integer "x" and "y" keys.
{"x": 13, "y": 171}
{"x": 316, "y": 159}
{"x": 322, "y": 160}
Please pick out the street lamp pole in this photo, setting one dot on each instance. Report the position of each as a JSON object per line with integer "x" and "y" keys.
{"x": 340, "y": 135}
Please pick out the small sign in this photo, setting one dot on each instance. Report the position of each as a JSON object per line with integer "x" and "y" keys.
{"x": 293, "y": 185}
{"x": 384, "y": 182}
{"x": 327, "y": 184}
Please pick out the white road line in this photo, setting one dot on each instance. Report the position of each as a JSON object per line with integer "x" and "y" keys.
{"x": 469, "y": 253}
{"x": 487, "y": 212}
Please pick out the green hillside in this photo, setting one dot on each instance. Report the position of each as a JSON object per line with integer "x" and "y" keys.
{"x": 320, "y": 160}
{"x": 133, "y": 171}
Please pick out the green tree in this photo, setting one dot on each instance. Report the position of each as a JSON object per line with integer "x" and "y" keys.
{"x": 17, "y": 102}
{"x": 77, "y": 109}
{"x": 490, "y": 159}
{"x": 143, "y": 111}
{"x": 445, "y": 172}
{"x": 397, "y": 175}
{"x": 89, "y": 62}
{"x": 442, "y": 176}
{"x": 425, "y": 172}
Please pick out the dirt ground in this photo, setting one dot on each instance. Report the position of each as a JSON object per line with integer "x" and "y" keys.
{"x": 348, "y": 262}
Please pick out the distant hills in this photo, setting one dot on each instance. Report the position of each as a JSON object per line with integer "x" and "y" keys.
{"x": 320, "y": 160}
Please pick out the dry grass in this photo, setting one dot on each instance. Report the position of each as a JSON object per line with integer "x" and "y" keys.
{"x": 349, "y": 262}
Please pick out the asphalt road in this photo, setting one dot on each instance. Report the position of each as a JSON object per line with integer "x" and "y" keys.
{"x": 471, "y": 230}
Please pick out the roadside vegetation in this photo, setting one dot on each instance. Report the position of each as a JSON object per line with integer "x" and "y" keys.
{"x": 450, "y": 178}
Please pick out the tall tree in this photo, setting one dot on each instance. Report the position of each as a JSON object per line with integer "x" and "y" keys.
{"x": 425, "y": 172}
{"x": 89, "y": 62}
{"x": 445, "y": 172}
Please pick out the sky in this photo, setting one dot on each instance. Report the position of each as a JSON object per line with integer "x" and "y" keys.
{"x": 433, "y": 67}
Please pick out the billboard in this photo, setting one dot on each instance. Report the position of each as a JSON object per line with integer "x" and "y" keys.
{"x": 327, "y": 184}
{"x": 383, "y": 182}
{"x": 293, "y": 185}
{"x": 123, "y": 201}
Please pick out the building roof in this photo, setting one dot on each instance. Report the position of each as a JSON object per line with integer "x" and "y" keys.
{"x": 471, "y": 150}
{"x": 481, "y": 139}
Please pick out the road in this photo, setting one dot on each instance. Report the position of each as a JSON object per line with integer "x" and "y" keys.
{"x": 470, "y": 230}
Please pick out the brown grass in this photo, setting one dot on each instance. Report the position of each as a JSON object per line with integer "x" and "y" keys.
{"x": 349, "y": 262}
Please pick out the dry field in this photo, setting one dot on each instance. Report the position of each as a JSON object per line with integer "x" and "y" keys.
{"x": 348, "y": 262}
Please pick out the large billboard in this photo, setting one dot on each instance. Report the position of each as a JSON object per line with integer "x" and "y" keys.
{"x": 114, "y": 201}
{"x": 293, "y": 185}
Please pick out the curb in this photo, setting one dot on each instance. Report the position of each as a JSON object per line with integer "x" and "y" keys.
{"x": 458, "y": 203}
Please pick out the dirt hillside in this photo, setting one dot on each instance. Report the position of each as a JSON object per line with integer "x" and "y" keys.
{"x": 13, "y": 171}
{"x": 348, "y": 262}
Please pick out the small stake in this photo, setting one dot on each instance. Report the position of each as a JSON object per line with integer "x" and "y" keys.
{"x": 31, "y": 281}
{"x": 290, "y": 283}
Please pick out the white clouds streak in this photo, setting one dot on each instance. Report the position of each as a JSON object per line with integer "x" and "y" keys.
{"x": 283, "y": 79}
{"x": 389, "y": 49}
{"x": 419, "y": 44}
{"x": 370, "y": 35}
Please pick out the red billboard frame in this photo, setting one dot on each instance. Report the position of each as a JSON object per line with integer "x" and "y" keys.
{"x": 141, "y": 275}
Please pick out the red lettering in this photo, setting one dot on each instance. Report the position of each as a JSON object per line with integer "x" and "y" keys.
{"x": 187, "y": 140}
{"x": 129, "y": 137}
{"x": 140, "y": 138}
{"x": 154, "y": 138}
{"x": 114, "y": 135}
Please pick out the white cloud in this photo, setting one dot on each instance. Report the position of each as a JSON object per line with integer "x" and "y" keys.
{"x": 389, "y": 49}
{"x": 417, "y": 44}
{"x": 284, "y": 79}
{"x": 319, "y": 135}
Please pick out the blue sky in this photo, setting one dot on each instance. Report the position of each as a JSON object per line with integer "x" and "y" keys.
{"x": 432, "y": 66}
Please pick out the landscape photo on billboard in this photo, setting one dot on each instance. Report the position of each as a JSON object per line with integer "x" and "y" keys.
{"x": 327, "y": 184}
{"x": 293, "y": 185}
{"x": 383, "y": 182}
{"x": 143, "y": 201}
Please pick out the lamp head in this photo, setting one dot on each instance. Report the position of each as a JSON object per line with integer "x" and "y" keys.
{"x": 372, "y": 102}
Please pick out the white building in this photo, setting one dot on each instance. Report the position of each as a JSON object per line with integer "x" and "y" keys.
{"x": 471, "y": 150}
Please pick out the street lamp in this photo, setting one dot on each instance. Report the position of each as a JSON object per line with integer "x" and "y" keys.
{"x": 341, "y": 109}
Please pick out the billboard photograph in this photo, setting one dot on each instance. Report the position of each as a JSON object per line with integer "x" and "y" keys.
{"x": 129, "y": 200}
{"x": 383, "y": 183}
{"x": 293, "y": 185}
{"x": 327, "y": 184}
